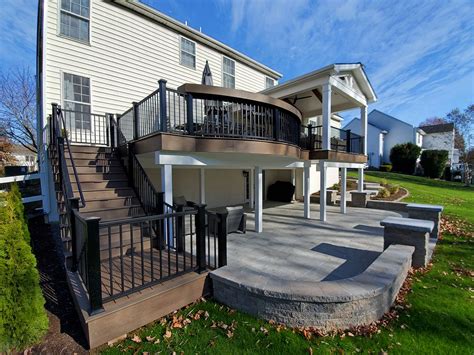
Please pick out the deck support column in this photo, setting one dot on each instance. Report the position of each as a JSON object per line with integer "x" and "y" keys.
{"x": 258, "y": 199}
{"x": 167, "y": 188}
{"x": 363, "y": 133}
{"x": 307, "y": 189}
{"x": 327, "y": 116}
{"x": 293, "y": 181}
{"x": 252, "y": 188}
{"x": 360, "y": 183}
{"x": 322, "y": 190}
{"x": 202, "y": 186}
{"x": 343, "y": 190}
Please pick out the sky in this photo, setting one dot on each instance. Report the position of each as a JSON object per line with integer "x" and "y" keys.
{"x": 418, "y": 55}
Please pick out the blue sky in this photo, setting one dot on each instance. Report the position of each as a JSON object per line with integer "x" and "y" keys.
{"x": 419, "y": 55}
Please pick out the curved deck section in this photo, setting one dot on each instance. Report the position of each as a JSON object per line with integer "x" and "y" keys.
{"x": 343, "y": 303}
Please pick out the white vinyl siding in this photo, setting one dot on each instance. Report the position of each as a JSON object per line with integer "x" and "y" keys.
{"x": 74, "y": 19}
{"x": 188, "y": 53}
{"x": 122, "y": 69}
{"x": 228, "y": 73}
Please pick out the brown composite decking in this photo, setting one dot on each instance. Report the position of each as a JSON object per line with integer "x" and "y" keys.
{"x": 141, "y": 269}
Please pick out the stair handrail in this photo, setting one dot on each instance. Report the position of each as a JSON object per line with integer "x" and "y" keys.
{"x": 59, "y": 113}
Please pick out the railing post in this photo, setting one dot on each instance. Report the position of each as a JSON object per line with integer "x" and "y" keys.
{"x": 189, "y": 113}
{"x": 93, "y": 264}
{"x": 200, "y": 222}
{"x": 112, "y": 131}
{"x": 222, "y": 239}
{"x": 136, "y": 118}
{"x": 276, "y": 124}
{"x": 310, "y": 137}
{"x": 348, "y": 141}
{"x": 179, "y": 229}
{"x": 163, "y": 114}
{"x": 74, "y": 203}
{"x": 54, "y": 118}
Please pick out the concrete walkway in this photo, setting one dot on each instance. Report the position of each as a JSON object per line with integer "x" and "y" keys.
{"x": 294, "y": 248}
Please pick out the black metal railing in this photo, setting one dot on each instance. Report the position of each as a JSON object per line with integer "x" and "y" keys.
{"x": 340, "y": 140}
{"x": 86, "y": 128}
{"x": 167, "y": 110}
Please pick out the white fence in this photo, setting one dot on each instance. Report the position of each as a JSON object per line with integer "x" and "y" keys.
{"x": 22, "y": 178}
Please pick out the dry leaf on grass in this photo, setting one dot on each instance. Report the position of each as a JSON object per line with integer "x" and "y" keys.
{"x": 136, "y": 339}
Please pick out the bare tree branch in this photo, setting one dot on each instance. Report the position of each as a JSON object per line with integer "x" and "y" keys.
{"x": 18, "y": 107}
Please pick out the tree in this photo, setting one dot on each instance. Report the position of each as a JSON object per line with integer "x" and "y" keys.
{"x": 404, "y": 156}
{"x": 464, "y": 124}
{"x": 18, "y": 107}
{"x": 434, "y": 162}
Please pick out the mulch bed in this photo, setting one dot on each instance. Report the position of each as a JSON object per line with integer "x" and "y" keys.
{"x": 395, "y": 197}
{"x": 65, "y": 334}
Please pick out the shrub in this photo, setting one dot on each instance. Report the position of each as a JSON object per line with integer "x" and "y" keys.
{"x": 386, "y": 167}
{"x": 23, "y": 320}
{"x": 393, "y": 189}
{"x": 433, "y": 162}
{"x": 404, "y": 157}
{"x": 383, "y": 193}
{"x": 383, "y": 182}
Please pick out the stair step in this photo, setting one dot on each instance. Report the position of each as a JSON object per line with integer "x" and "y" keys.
{"x": 89, "y": 149}
{"x": 112, "y": 202}
{"x": 105, "y": 193}
{"x": 92, "y": 156}
{"x": 93, "y": 169}
{"x": 101, "y": 185}
{"x": 98, "y": 177}
{"x": 92, "y": 163}
{"x": 114, "y": 213}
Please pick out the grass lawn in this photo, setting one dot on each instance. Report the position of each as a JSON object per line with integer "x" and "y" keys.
{"x": 438, "y": 317}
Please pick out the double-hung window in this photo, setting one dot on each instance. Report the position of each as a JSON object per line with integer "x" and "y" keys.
{"x": 77, "y": 98}
{"x": 228, "y": 73}
{"x": 269, "y": 82}
{"x": 187, "y": 53}
{"x": 75, "y": 19}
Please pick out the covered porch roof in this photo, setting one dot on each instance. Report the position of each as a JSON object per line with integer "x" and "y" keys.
{"x": 350, "y": 89}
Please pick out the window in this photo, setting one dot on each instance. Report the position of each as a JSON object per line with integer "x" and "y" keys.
{"x": 188, "y": 53}
{"x": 228, "y": 73}
{"x": 77, "y": 98}
{"x": 75, "y": 19}
{"x": 269, "y": 82}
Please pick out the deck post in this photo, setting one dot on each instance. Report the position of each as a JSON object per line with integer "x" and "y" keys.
{"x": 167, "y": 188}
{"x": 307, "y": 189}
{"x": 322, "y": 191}
{"x": 327, "y": 116}
{"x": 136, "y": 120}
{"x": 343, "y": 190}
{"x": 348, "y": 141}
{"x": 93, "y": 264}
{"x": 74, "y": 203}
{"x": 200, "y": 224}
{"x": 189, "y": 113}
{"x": 363, "y": 128}
{"x": 222, "y": 239}
{"x": 163, "y": 114}
{"x": 252, "y": 188}
{"x": 258, "y": 199}
{"x": 202, "y": 186}
{"x": 360, "y": 183}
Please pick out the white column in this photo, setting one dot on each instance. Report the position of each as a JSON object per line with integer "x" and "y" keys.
{"x": 252, "y": 189}
{"x": 307, "y": 189}
{"x": 293, "y": 181}
{"x": 202, "y": 186}
{"x": 327, "y": 116}
{"x": 343, "y": 190}
{"x": 360, "y": 183}
{"x": 363, "y": 128}
{"x": 322, "y": 190}
{"x": 167, "y": 188}
{"x": 258, "y": 200}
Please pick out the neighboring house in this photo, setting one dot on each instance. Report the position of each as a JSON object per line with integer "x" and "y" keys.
{"x": 138, "y": 134}
{"x": 385, "y": 131}
{"x": 441, "y": 137}
{"x": 24, "y": 157}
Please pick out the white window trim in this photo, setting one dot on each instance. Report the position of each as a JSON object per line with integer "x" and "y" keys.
{"x": 58, "y": 24}
{"x": 182, "y": 50}
{"x": 224, "y": 73}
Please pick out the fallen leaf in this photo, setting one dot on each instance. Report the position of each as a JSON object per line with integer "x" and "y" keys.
{"x": 167, "y": 334}
{"x": 150, "y": 338}
{"x": 136, "y": 339}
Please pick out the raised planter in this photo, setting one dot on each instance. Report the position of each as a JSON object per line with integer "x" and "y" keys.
{"x": 354, "y": 301}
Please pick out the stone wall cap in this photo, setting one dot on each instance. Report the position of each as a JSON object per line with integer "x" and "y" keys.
{"x": 417, "y": 225}
{"x": 361, "y": 192}
{"x": 425, "y": 207}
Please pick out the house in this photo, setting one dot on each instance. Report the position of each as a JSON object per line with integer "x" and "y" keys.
{"x": 130, "y": 136}
{"x": 385, "y": 131}
{"x": 441, "y": 137}
{"x": 24, "y": 157}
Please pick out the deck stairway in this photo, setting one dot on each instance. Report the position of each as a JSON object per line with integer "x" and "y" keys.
{"x": 106, "y": 192}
